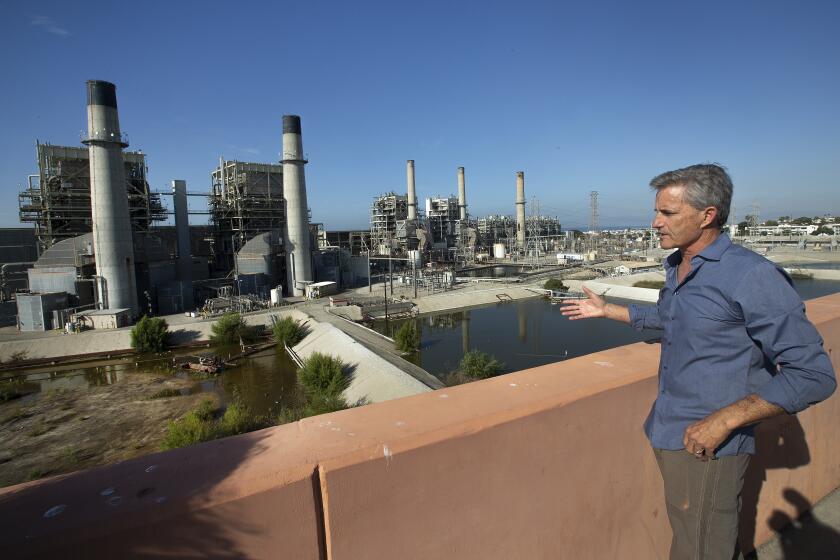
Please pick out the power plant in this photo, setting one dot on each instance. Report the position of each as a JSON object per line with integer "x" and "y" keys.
{"x": 105, "y": 257}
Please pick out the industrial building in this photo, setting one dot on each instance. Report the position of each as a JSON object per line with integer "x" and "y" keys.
{"x": 102, "y": 260}
{"x": 245, "y": 199}
{"x": 57, "y": 201}
{"x": 387, "y": 212}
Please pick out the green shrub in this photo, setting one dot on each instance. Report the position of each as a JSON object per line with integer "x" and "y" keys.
{"x": 288, "y": 331}
{"x": 196, "y": 426}
{"x": 478, "y": 365}
{"x": 150, "y": 334}
{"x": 322, "y": 376}
{"x": 555, "y": 285}
{"x": 239, "y": 419}
{"x": 653, "y": 284}
{"x": 231, "y": 328}
{"x": 407, "y": 338}
{"x": 200, "y": 425}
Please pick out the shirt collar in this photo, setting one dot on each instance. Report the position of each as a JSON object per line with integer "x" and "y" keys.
{"x": 713, "y": 252}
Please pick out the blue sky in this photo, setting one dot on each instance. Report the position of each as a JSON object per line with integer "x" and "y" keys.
{"x": 580, "y": 95}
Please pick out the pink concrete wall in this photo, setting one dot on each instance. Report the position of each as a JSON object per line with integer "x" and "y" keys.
{"x": 545, "y": 463}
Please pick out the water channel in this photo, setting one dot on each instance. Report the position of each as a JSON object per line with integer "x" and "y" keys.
{"x": 522, "y": 334}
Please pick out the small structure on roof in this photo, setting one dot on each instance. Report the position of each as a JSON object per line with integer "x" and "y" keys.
{"x": 104, "y": 318}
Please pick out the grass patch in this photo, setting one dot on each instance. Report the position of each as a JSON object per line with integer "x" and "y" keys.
{"x": 477, "y": 365}
{"x": 555, "y": 285}
{"x": 150, "y": 334}
{"x": 289, "y": 331}
{"x": 231, "y": 328}
{"x": 407, "y": 338}
{"x": 196, "y": 426}
{"x": 652, "y": 284}
{"x": 201, "y": 424}
{"x": 165, "y": 394}
{"x": 35, "y": 474}
{"x": 39, "y": 429}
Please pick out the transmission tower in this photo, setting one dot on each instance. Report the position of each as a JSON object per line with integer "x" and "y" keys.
{"x": 593, "y": 208}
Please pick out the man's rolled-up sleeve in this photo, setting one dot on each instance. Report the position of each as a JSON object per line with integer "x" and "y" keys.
{"x": 645, "y": 316}
{"x": 775, "y": 319}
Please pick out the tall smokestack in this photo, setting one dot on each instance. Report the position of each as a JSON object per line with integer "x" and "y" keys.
{"x": 412, "y": 195}
{"x": 520, "y": 210}
{"x": 112, "y": 242}
{"x": 299, "y": 267}
{"x": 462, "y": 194}
{"x": 182, "y": 230}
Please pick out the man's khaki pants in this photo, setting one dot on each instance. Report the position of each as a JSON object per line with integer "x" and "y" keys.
{"x": 703, "y": 499}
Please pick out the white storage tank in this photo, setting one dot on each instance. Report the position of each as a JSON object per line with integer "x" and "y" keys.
{"x": 415, "y": 257}
{"x": 498, "y": 250}
{"x": 276, "y": 296}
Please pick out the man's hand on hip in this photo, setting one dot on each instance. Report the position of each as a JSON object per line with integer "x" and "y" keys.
{"x": 703, "y": 437}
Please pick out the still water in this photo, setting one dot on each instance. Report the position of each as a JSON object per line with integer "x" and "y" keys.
{"x": 522, "y": 334}
{"x": 265, "y": 381}
{"x": 529, "y": 333}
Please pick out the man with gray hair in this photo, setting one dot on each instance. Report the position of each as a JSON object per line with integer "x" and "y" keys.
{"x": 736, "y": 349}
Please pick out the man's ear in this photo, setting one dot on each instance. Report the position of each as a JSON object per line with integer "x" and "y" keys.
{"x": 709, "y": 217}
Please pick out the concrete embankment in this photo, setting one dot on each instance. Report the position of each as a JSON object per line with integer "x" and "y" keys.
{"x": 471, "y": 296}
{"x": 373, "y": 379}
{"x": 57, "y": 345}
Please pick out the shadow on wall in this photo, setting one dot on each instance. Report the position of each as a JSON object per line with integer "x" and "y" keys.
{"x": 781, "y": 444}
{"x": 160, "y": 506}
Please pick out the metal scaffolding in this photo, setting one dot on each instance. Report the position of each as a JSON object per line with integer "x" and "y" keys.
{"x": 443, "y": 219}
{"x": 246, "y": 199}
{"x": 59, "y": 205}
{"x": 385, "y": 212}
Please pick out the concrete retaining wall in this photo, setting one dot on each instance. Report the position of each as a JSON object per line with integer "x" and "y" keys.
{"x": 545, "y": 463}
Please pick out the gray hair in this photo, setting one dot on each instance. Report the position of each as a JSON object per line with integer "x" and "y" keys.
{"x": 706, "y": 184}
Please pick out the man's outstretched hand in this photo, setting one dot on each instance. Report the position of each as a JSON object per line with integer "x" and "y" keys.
{"x": 591, "y": 308}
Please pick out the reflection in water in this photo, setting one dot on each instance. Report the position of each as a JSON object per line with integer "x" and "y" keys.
{"x": 529, "y": 333}
{"x": 465, "y": 332}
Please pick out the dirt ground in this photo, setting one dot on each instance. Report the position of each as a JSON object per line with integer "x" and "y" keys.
{"x": 72, "y": 429}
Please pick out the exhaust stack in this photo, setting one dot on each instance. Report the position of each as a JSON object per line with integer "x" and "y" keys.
{"x": 299, "y": 266}
{"x": 520, "y": 210}
{"x": 112, "y": 236}
{"x": 412, "y": 195}
{"x": 462, "y": 195}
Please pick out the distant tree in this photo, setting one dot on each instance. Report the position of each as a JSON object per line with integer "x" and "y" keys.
{"x": 150, "y": 334}
{"x": 289, "y": 331}
{"x": 555, "y": 284}
{"x": 771, "y": 223}
{"x": 478, "y": 365}
{"x": 802, "y": 221}
{"x": 784, "y": 219}
{"x": 231, "y": 328}
{"x": 823, "y": 230}
{"x": 407, "y": 338}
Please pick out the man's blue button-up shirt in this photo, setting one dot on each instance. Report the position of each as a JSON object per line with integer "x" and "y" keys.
{"x": 733, "y": 327}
